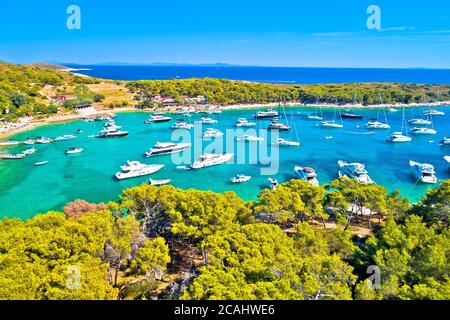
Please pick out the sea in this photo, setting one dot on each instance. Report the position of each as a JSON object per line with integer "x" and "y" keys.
{"x": 27, "y": 190}
{"x": 282, "y": 75}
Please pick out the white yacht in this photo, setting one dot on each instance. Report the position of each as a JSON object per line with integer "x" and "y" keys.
{"x": 355, "y": 171}
{"x": 240, "y": 178}
{"x": 44, "y": 140}
{"x": 433, "y": 112}
{"x": 206, "y": 120}
{"x": 29, "y": 142}
{"x": 74, "y": 150}
{"x": 279, "y": 126}
{"x": 212, "y": 133}
{"x": 314, "y": 117}
{"x": 269, "y": 114}
{"x": 158, "y": 119}
{"x": 423, "y": 172}
{"x": 42, "y": 163}
{"x": 242, "y": 122}
{"x": 377, "y": 125}
{"x": 162, "y": 148}
{"x": 208, "y": 160}
{"x": 273, "y": 183}
{"x": 9, "y": 143}
{"x": 29, "y": 151}
{"x": 419, "y": 122}
{"x": 445, "y": 141}
{"x": 331, "y": 124}
{"x": 15, "y": 156}
{"x": 307, "y": 174}
{"x": 398, "y": 137}
{"x": 182, "y": 125}
{"x": 138, "y": 169}
{"x": 423, "y": 131}
{"x": 287, "y": 143}
{"x": 250, "y": 138}
{"x": 65, "y": 137}
{"x": 158, "y": 183}
{"x": 392, "y": 109}
{"x": 112, "y": 132}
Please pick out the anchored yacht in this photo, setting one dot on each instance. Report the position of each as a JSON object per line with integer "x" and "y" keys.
{"x": 307, "y": 174}
{"x": 135, "y": 169}
{"x": 269, "y": 114}
{"x": 112, "y": 132}
{"x": 423, "y": 172}
{"x": 433, "y": 112}
{"x": 377, "y": 125}
{"x": 287, "y": 143}
{"x": 16, "y": 156}
{"x": 423, "y": 131}
{"x": 29, "y": 151}
{"x": 419, "y": 122}
{"x": 212, "y": 133}
{"x": 355, "y": 171}
{"x": 242, "y": 122}
{"x": 331, "y": 124}
{"x": 9, "y": 143}
{"x": 74, "y": 150}
{"x": 65, "y": 137}
{"x": 279, "y": 126}
{"x": 208, "y": 160}
{"x": 398, "y": 137}
{"x": 182, "y": 125}
{"x": 166, "y": 148}
{"x": 158, "y": 119}
{"x": 240, "y": 178}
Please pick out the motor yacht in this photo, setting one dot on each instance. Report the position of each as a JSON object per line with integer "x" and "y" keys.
{"x": 242, "y": 122}
{"x": 331, "y": 124}
{"x": 111, "y": 132}
{"x": 74, "y": 150}
{"x": 15, "y": 156}
{"x": 355, "y": 171}
{"x": 279, "y": 126}
{"x": 308, "y": 174}
{"x": 138, "y": 170}
{"x": 208, "y": 160}
{"x": 269, "y": 114}
{"x": 163, "y": 148}
{"x": 240, "y": 178}
{"x": 158, "y": 183}
{"x": 29, "y": 151}
{"x": 287, "y": 143}
{"x": 424, "y": 172}
{"x": 158, "y": 119}
{"x": 65, "y": 137}
{"x": 9, "y": 143}
{"x": 182, "y": 125}
{"x": 206, "y": 120}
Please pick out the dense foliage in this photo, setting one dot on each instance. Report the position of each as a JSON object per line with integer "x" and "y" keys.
{"x": 297, "y": 242}
{"x": 220, "y": 91}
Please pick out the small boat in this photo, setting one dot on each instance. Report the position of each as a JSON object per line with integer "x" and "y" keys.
{"x": 74, "y": 150}
{"x": 15, "y": 156}
{"x": 212, "y": 133}
{"x": 208, "y": 160}
{"x": 112, "y": 133}
{"x": 355, "y": 171}
{"x": 377, "y": 125}
{"x": 445, "y": 141}
{"x": 314, "y": 117}
{"x": 136, "y": 169}
{"x": 38, "y": 164}
{"x": 29, "y": 151}
{"x": 110, "y": 123}
{"x": 307, "y": 174}
{"x": 275, "y": 125}
{"x": 419, "y": 122}
{"x": 423, "y": 172}
{"x": 240, "y": 178}
{"x": 89, "y": 120}
{"x": 273, "y": 183}
{"x": 9, "y": 143}
{"x": 65, "y": 137}
{"x": 158, "y": 183}
{"x": 328, "y": 137}
{"x": 182, "y": 125}
{"x": 29, "y": 142}
{"x": 206, "y": 120}
{"x": 398, "y": 137}
{"x": 44, "y": 140}
{"x": 242, "y": 122}
{"x": 183, "y": 168}
{"x": 392, "y": 109}
{"x": 351, "y": 115}
{"x": 158, "y": 119}
{"x": 79, "y": 131}
{"x": 250, "y": 138}
{"x": 166, "y": 148}
{"x": 288, "y": 143}
{"x": 331, "y": 124}
{"x": 423, "y": 131}
{"x": 269, "y": 114}
{"x": 433, "y": 112}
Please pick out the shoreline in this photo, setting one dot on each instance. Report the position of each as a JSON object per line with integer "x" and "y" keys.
{"x": 35, "y": 123}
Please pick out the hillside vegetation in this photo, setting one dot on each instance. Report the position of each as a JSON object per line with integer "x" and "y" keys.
{"x": 166, "y": 243}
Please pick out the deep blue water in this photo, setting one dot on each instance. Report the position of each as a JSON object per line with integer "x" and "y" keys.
{"x": 268, "y": 74}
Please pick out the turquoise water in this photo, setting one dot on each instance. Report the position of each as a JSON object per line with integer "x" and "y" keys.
{"x": 26, "y": 190}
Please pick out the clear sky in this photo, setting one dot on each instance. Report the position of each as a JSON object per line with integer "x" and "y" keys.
{"x": 327, "y": 33}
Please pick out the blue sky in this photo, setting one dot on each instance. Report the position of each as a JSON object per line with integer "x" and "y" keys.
{"x": 327, "y": 33}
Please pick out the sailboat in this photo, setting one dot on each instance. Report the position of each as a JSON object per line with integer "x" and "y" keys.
{"x": 398, "y": 137}
{"x": 425, "y": 130}
{"x": 315, "y": 116}
{"x": 377, "y": 124}
{"x": 333, "y": 123}
{"x": 290, "y": 142}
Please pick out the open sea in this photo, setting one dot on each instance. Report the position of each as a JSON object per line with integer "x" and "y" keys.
{"x": 26, "y": 190}
{"x": 266, "y": 74}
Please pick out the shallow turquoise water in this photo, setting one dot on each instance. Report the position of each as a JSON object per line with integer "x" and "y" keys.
{"x": 26, "y": 190}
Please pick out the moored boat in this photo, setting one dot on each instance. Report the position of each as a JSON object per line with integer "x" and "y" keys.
{"x": 433, "y": 112}
{"x": 273, "y": 183}
{"x": 351, "y": 115}
{"x": 308, "y": 174}
{"x": 182, "y": 125}
{"x": 29, "y": 151}
{"x": 419, "y": 122}
{"x": 423, "y": 131}
{"x": 111, "y": 132}
{"x": 136, "y": 169}
{"x": 208, "y": 160}
{"x": 242, "y": 122}
{"x": 240, "y": 178}
{"x": 445, "y": 141}
{"x": 251, "y": 138}
{"x": 331, "y": 124}
{"x": 158, "y": 183}
{"x": 424, "y": 172}
{"x": 163, "y": 148}
{"x": 287, "y": 143}
{"x": 14, "y": 156}
{"x": 158, "y": 119}
{"x": 9, "y": 143}
{"x": 38, "y": 164}
{"x": 212, "y": 133}
{"x": 269, "y": 114}
{"x": 398, "y": 137}
{"x": 355, "y": 171}
{"x": 65, "y": 137}
{"x": 74, "y": 150}
{"x": 275, "y": 125}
